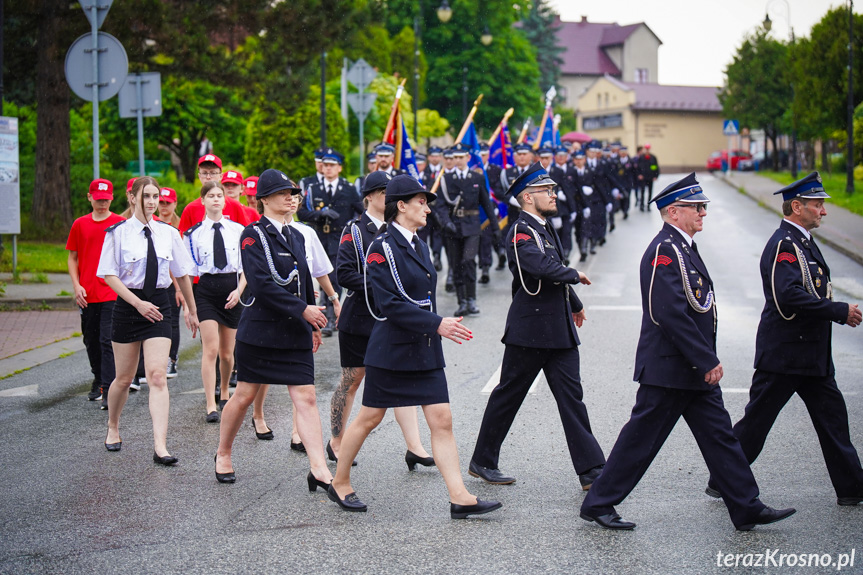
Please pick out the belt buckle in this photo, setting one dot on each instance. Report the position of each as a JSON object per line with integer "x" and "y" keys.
{"x": 326, "y": 228}
{"x": 459, "y": 213}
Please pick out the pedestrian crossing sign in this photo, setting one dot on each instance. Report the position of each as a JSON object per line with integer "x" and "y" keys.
{"x": 731, "y": 128}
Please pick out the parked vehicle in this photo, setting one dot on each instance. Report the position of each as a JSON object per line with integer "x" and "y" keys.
{"x": 740, "y": 160}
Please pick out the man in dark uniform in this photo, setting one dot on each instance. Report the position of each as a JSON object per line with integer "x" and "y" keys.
{"x": 602, "y": 192}
{"x": 522, "y": 154}
{"x": 434, "y": 166}
{"x": 594, "y": 203}
{"x": 371, "y": 166}
{"x": 561, "y": 172}
{"x": 582, "y": 182}
{"x": 626, "y": 175}
{"x": 318, "y": 176}
{"x": 328, "y": 206}
{"x": 540, "y": 334}
{"x": 648, "y": 172}
{"x": 793, "y": 350}
{"x": 678, "y": 372}
{"x": 463, "y": 192}
{"x": 385, "y": 154}
{"x": 487, "y": 245}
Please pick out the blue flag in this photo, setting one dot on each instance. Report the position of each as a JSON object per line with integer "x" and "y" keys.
{"x": 500, "y": 151}
{"x": 407, "y": 160}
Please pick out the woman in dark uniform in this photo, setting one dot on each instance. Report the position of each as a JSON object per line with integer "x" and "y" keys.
{"x": 214, "y": 244}
{"x": 138, "y": 258}
{"x": 279, "y": 329}
{"x": 404, "y": 360}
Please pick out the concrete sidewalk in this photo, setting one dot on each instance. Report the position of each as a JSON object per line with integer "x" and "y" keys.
{"x": 32, "y": 295}
{"x": 840, "y": 229}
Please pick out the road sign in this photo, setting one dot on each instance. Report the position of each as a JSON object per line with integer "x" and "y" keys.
{"x": 151, "y": 95}
{"x": 102, "y": 7}
{"x": 731, "y": 128}
{"x": 361, "y": 104}
{"x": 113, "y": 66}
{"x": 361, "y": 75}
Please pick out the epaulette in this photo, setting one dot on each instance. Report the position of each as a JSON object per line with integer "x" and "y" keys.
{"x": 192, "y": 229}
{"x": 112, "y": 227}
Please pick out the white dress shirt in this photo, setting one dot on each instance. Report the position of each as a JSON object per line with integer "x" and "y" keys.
{"x": 200, "y": 245}
{"x": 316, "y": 256}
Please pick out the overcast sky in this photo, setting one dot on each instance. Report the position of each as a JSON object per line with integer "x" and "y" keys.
{"x": 699, "y": 37}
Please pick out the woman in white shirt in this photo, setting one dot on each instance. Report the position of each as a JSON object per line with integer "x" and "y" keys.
{"x": 214, "y": 244}
{"x": 138, "y": 258}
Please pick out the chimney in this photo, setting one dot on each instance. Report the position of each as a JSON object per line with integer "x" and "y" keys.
{"x": 584, "y": 19}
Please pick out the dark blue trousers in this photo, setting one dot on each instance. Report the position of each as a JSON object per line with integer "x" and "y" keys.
{"x": 654, "y": 415}
{"x": 520, "y": 367}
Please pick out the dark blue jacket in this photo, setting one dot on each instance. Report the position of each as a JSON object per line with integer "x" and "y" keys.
{"x": 355, "y": 317}
{"x": 544, "y": 320}
{"x": 346, "y": 201}
{"x": 459, "y": 201}
{"x": 681, "y": 349}
{"x": 408, "y": 339}
{"x": 274, "y": 319}
{"x": 802, "y": 345}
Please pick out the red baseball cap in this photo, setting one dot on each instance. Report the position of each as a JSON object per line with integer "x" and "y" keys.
{"x": 168, "y": 195}
{"x": 102, "y": 189}
{"x": 232, "y": 177}
{"x": 212, "y": 158}
{"x": 647, "y": 146}
{"x": 129, "y": 184}
{"x": 251, "y": 186}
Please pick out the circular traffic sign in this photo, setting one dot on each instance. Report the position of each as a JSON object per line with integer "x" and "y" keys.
{"x": 113, "y": 66}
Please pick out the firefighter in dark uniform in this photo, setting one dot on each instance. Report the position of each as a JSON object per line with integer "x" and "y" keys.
{"x": 540, "y": 334}
{"x": 487, "y": 246}
{"x": 793, "y": 351}
{"x": 627, "y": 175}
{"x": 328, "y": 206}
{"x": 561, "y": 172}
{"x": 318, "y": 176}
{"x": 648, "y": 172}
{"x": 385, "y": 154}
{"x": 678, "y": 373}
{"x": 522, "y": 157}
{"x": 435, "y": 165}
{"x": 595, "y": 205}
{"x": 463, "y": 192}
{"x": 371, "y": 166}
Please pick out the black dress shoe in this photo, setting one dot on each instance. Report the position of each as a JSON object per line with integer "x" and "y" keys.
{"x": 332, "y": 455}
{"x": 768, "y": 515}
{"x": 850, "y": 501}
{"x": 350, "y": 503}
{"x": 213, "y": 417}
{"x": 583, "y": 257}
{"x": 610, "y": 521}
{"x": 484, "y": 278}
{"x": 457, "y": 511}
{"x": 267, "y": 435}
{"x": 222, "y": 404}
{"x": 117, "y": 446}
{"x": 228, "y": 477}
{"x": 412, "y": 459}
{"x": 449, "y": 288}
{"x": 472, "y": 309}
{"x": 298, "y": 447}
{"x": 712, "y": 492}
{"x": 587, "y": 478}
{"x": 493, "y": 476}
{"x": 167, "y": 460}
{"x": 461, "y": 310}
{"x": 314, "y": 483}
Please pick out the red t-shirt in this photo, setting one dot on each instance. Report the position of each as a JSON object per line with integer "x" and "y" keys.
{"x": 86, "y": 237}
{"x": 252, "y": 215}
{"x": 195, "y": 212}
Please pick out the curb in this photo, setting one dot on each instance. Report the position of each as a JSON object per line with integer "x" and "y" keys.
{"x": 58, "y": 303}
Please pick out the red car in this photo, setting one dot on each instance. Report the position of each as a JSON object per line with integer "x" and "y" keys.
{"x": 740, "y": 160}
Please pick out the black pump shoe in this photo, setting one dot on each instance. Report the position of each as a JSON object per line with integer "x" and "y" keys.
{"x": 267, "y": 435}
{"x": 332, "y": 455}
{"x": 228, "y": 477}
{"x": 314, "y": 483}
{"x": 167, "y": 460}
{"x": 350, "y": 503}
{"x": 114, "y": 446}
{"x": 412, "y": 459}
{"x": 457, "y": 511}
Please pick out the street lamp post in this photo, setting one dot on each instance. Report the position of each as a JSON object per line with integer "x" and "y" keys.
{"x": 767, "y": 26}
{"x": 849, "y": 150}
{"x": 444, "y": 13}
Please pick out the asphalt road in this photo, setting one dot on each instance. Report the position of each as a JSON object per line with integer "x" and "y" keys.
{"x": 69, "y": 506}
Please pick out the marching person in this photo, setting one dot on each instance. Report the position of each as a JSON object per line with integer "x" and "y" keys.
{"x": 647, "y": 172}
{"x": 793, "y": 351}
{"x": 356, "y": 322}
{"x": 138, "y": 258}
{"x": 678, "y": 373}
{"x": 250, "y": 188}
{"x": 214, "y": 245}
{"x": 561, "y": 172}
{"x": 404, "y": 359}
{"x": 279, "y": 328}
{"x": 591, "y": 219}
{"x": 210, "y": 170}
{"x": 540, "y": 289}
{"x": 487, "y": 246}
{"x": 168, "y": 213}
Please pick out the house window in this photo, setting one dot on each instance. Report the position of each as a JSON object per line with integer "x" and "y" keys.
{"x": 642, "y": 76}
{"x": 598, "y": 101}
{"x": 606, "y": 99}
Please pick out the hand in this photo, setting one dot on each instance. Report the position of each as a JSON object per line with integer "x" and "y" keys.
{"x": 191, "y": 321}
{"x": 586, "y": 190}
{"x": 233, "y": 299}
{"x": 572, "y": 217}
{"x": 714, "y": 375}
{"x": 337, "y": 308}
{"x": 178, "y": 295}
{"x": 317, "y": 340}
{"x": 579, "y": 318}
{"x": 583, "y": 279}
{"x": 315, "y": 316}
{"x": 449, "y": 229}
{"x": 452, "y": 329}
{"x": 616, "y": 193}
{"x": 561, "y": 197}
{"x": 149, "y": 311}
{"x": 330, "y": 213}
{"x": 609, "y": 207}
{"x": 854, "y": 315}
{"x": 586, "y": 213}
{"x": 81, "y": 297}
{"x": 496, "y": 235}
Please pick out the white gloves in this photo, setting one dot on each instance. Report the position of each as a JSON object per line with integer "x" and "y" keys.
{"x": 586, "y": 213}
{"x": 609, "y": 207}
{"x": 586, "y": 190}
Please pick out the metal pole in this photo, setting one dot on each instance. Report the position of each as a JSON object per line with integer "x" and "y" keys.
{"x": 1, "y": 81}
{"x": 94, "y": 30}
{"x": 362, "y": 120}
{"x": 344, "y": 93}
{"x": 323, "y": 99}
{"x": 849, "y": 153}
{"x": 15, "y": 256}
{"x": 793, "y": 122}
{"x": 139, "y": 107}
{"x": 417, "y": 72}
{"x": 464, "y": 93}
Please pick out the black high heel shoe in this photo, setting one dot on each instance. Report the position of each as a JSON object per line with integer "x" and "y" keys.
{"x": 314, "y": 483}
{"x": 167, "y": 460}
{"x": 350, "y": 503}
{"x": 267, "y": 435}
{"x": 228, "y": 477}
{"x": 412, "y": 459}
{"x": 332, "y": 455}
{"x": 113, "y": 446}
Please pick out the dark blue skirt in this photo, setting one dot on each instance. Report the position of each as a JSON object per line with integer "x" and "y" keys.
{"x": 389, "y": 388}
{"x": 274, "y": 366}
{"x": 127, "y": 325}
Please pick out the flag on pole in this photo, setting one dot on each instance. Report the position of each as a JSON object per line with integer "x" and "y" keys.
{"x": 500, "y": 149}
{"x": 397, "y": 136}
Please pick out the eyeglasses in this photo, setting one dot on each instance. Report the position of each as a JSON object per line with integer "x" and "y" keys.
{"x": 698, "y": 207}
{"x": 550, "y": 192}
{"x": 209, "y": 174}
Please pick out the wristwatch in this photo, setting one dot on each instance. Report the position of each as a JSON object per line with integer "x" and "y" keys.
{"x": 333, "y": 297}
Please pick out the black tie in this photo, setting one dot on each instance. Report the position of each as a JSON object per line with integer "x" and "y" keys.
{"x": 415, "y": 244}
{"x": 330, "y": 191}
{"x": 694, "y": 247}
{"x": 220, "y": 258}
{"x": 287, "y": 234}
{"x": 152, "y": 272}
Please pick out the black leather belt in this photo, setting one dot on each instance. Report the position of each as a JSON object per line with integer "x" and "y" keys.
{"x": 460, "y": 213}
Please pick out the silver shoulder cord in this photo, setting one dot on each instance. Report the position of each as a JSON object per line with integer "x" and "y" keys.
{"x": 197, "y": 263}
{"x": 687, "y": 288}
{"x": 518, "y": 263}
{"x": 276, "y": 277}
{"x": 388, "y": 253}
{"x": 804, "y": 270}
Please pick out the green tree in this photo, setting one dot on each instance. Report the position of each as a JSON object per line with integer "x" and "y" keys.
{"x": 757, "y": 89}
{"x": 539, "y": 28}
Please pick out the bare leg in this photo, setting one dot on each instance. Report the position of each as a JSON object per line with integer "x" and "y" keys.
{"x": 342, "y": 402}
{"x": 210, "y": 344}
{"x": 227, "y": 338}
{"x": 309, "y": 427}
{"x": 233, "y": 415}
{"x": 439, "y": 418}
{"x": 353, "y": 439}
{"x": 258, "y": 412}
{"x": 125, "y": 365}
{"x": 156, "y": 352}
{"x": 409, "y": 422}
{"x": 295, "y": 435}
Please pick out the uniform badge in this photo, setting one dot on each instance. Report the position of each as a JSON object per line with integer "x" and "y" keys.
{"x": 698, "y": 293}
{"x": 346, "y": 238}
{"x": 519, "y": 237}
{"x": 248, "y": 242}
{"x": 700, "y": 282}
{"x": 375, "y": 259}
{"x": 818, "y": 282}
{"x": 661, "y": 261}
{"x": 786, "y": 257}
{"x": 820, "y": 273}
